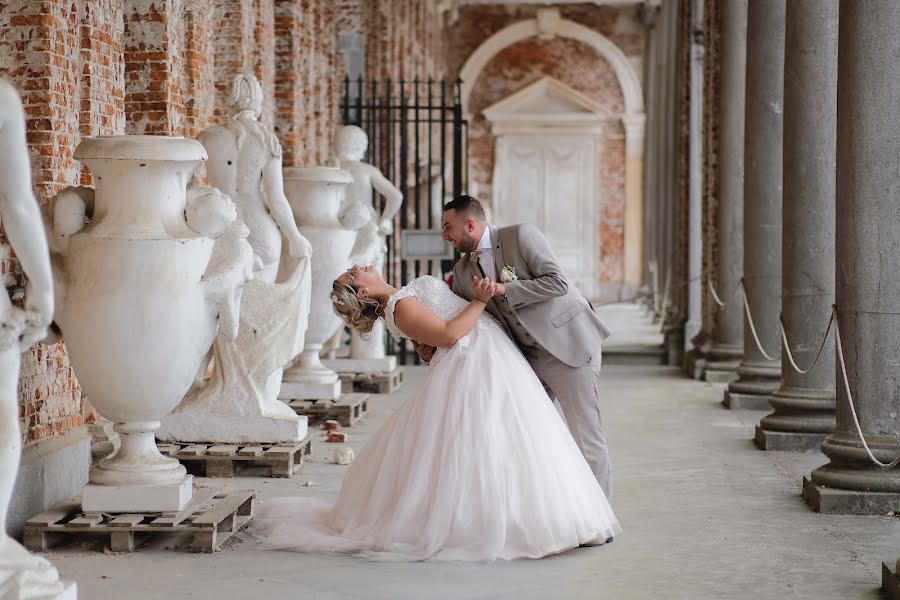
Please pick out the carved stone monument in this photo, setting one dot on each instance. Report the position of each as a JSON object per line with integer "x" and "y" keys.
{"x": 22, "y": 574}
{"x": 330, "y": 222}
{"x": 239, "y": 403}
{"x": 367, "y": 354}
{"x": 146, "y": 275}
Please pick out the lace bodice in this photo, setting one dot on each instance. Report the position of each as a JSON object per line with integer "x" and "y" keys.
{"x": 430, "y": 291}
{"x": 437, "y": 297}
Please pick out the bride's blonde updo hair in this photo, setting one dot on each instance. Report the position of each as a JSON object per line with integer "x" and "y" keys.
{"x": 358, "y": 313}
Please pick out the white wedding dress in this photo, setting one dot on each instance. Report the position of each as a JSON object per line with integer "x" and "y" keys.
{"x": 476, "y": 465}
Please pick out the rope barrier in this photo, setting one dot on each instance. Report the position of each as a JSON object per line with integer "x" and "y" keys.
{"x": 833, "y": 320}
{"x": 837, "y": 335}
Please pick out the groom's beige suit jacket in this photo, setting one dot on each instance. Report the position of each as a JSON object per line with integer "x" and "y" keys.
{"x": 541, "y": 305}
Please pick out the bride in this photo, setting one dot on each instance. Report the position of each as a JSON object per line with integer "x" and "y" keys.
{"x": 476, "y": 465}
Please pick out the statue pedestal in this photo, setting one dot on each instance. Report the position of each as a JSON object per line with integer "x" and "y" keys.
{"x": 123, "y": 498}
{"x": 309, "y": 390}
{"x": 369, "y": 366}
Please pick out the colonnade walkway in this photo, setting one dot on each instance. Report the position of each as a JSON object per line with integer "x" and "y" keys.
{"x": 705, "y": 515}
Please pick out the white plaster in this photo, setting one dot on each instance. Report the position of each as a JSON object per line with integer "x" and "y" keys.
{"x": 22, "y": 574}
{"x": 330, "y": 222}
{"x": 239, "y": 402}
{"x": 141, "y": 292}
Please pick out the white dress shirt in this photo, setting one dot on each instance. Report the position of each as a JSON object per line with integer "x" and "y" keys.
{"x": 486, "y": 260}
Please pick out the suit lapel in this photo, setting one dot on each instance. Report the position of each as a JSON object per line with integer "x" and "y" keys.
{"x": 498, "y": 251}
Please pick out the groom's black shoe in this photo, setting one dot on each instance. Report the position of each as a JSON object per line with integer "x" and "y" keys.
{"x": 596, "y": 542}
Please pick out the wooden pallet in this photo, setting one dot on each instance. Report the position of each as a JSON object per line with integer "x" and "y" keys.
{"x": 348, "y": 409}
{"x": 212, "y": 516}
{"x": 222, "y": 460}
{"x": 373, "y": 383}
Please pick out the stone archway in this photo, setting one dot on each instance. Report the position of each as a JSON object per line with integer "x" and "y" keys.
{"x": 549, "y": 23}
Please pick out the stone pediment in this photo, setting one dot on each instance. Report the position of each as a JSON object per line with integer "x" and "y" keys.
{"x": 545, "y": 106}
{"x": 546, "y": 99}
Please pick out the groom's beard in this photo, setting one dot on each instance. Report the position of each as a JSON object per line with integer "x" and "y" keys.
{"x": 467, "y": 243}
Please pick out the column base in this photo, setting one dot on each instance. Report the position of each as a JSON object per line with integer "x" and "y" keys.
{"x": 695, "y": 364}
{"x": 137, "y": 498}
{"x": 736, "y": 401}
{"x": 374, "y": 366}
{"x": 890, "y": 585}
{"x": 835, "y": 501}
{"x": 309, "y": 390}
{"x": 780, "y": 441}
{"x": 721, "y": 372}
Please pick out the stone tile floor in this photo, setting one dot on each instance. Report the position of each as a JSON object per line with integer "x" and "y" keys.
{"x": 705, "y": 514}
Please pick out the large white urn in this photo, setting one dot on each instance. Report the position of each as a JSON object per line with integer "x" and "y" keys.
{"x": 317, "y": 196}
{"x": 141, "y": 289}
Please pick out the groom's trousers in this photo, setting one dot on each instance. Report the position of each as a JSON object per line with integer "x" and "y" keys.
{"x": 578, "y": 391}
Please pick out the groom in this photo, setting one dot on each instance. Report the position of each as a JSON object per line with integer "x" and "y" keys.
{"x": 552, "y": 323}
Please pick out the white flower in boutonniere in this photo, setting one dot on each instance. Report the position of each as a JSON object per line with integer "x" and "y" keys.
{"x": 508, "y": 274}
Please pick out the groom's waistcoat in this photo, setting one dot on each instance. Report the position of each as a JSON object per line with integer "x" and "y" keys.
{"x": 541, "y": 308}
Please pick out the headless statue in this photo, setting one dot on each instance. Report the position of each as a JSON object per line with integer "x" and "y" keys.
{"x": 371, "y": 247}
{"x": 245, "y": 164}
{"x": 22, "y": 574}
{"x": 239, "y": 403}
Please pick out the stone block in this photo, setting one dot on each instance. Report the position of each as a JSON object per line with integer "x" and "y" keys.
{"x": 848, "y": 502}
{"x": 788, "y": 440}
{"x": 736, "y": 401}
{"x": 137, "y": 498}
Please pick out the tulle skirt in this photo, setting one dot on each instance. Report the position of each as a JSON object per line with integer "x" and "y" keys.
{"x": 476, "y": 465}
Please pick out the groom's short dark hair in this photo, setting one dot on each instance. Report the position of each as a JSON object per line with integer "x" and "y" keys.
{"x": 468, "y": 207}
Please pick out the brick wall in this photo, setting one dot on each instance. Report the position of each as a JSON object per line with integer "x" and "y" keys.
{"x": 711, "y": 113}
{"x": 571, "y": 62}
{"x": 95, "y": 67}
{"x": 65, "y": 58}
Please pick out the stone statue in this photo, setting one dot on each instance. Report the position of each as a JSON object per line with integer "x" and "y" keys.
{"x": 22, "y": 574}
{"x": 239, "y": 403}
{"x": 371, "y": 247}
{"x": 245, "y": 163}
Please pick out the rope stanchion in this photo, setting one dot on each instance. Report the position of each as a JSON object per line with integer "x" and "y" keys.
{"x": 862, "y": 439}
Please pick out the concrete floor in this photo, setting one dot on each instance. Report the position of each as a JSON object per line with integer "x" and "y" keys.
{"x": 705, "y": 515}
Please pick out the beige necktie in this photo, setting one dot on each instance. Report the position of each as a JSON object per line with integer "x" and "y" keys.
{"x": 475, "y": 262}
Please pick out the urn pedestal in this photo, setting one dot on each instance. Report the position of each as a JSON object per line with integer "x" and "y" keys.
{"x": 141, "y": 292}
{"x": 316, "y": 195}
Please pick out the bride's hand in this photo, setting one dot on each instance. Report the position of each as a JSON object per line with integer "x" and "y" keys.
{"x": 483, "y": 289}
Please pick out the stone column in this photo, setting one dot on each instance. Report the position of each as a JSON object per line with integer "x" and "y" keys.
{"x": 867, "y": 261}
{"x": 758, "y": 378}
{"x": 695, "y": 181}
{"x": 804, "y": 404}
{"x": 634, "y": 201}
{"x": 728, "y": 344}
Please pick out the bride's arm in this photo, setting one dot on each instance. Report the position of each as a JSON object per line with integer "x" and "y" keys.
{"x": 419, "y": 323}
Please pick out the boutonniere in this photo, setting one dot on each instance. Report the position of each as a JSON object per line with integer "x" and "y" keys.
{"x": 508, "y": 274}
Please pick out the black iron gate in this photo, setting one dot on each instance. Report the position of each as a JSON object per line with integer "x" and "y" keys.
{"x": 418, "y": 139}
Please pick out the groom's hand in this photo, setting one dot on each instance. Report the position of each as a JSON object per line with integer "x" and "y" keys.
{"x": 424, "y": 351}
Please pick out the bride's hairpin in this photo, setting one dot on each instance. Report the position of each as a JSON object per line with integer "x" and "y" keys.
{"x": 338, "y": 300}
